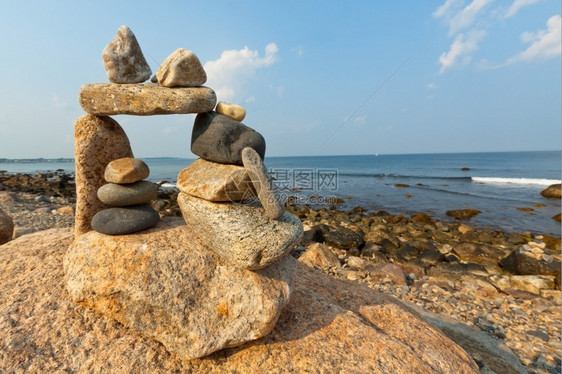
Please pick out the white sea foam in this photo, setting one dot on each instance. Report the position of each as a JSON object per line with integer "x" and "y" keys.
{"x": 168, "y": 185}
{"x": 516, "y": 181}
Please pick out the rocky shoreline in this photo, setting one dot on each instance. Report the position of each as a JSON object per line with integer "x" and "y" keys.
{"x": 506, "y": 285}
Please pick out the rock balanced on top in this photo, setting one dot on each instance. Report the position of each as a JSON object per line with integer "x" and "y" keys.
{"x": 227, "y": 239}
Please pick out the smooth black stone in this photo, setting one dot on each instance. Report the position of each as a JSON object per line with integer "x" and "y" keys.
{"x": 125, "y": 220}
{"x": 221, "y": 139}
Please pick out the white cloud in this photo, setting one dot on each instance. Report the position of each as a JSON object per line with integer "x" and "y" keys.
{"x": 516, "y": 5}
{"x": 466, "y": 17}
{"x": 228, "y": 74}
{"x": 298, "y": 51}
{"x": 360, "y": 121}
{"x": 544, "y": 43}
{"x": 251, "y": 99}
{"x": 458, "y": 17}
{"x": 431, "y": 86}
{"x": 461, "y": 49}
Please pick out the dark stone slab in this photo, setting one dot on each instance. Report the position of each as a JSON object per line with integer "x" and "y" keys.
{"x": 221, "y": 139}
{"x": 125, "y": 220}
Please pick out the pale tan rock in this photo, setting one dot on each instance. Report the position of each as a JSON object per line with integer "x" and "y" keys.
{"x": 6, "y": 227}
{"x": 123, "y": 59}
{"x": 257, "y": 171}
{"x": 166, "y": 285}
{"x": 144, "y": 99}
{"x": 216, "y": 182}
{"x": 97, "y": 142}
{"x": 181, "y": 69}
{"x": 329, "y": 326}
{"x": 66, "y": 210}
{"x": 236, "y": 112}
{"x": 126, "y": 170}
{"x": 533, "y": 283}
{"x": 318, "y": 254}
{"x": 241, "y": 233}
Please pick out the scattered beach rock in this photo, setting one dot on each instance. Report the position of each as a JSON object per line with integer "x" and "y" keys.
{"x": 320, "y": 255}
{"x": 552, "y": 191}
{"x": 325, "y": 327}
{"x": 126, "y": 170}
{"x": 140, "y": 192}
{"x": 241, "y": 234}
{"x": 123, "y": 59}
{"x": 522, "y": 262}
{"x": 219, "y": 138}
{"x": 6, "y": 227}
{"x": 125, "y": 220}
{"x": 258, "y": 174}
{"x": 556, "y": 217}
{"x": 236, "y": 112}
{"x": 401, "y": 185}
{"x": 216, "y": 182}
{"x": 165, "y": 285}
{"x": 465, "y": 169}
{"x": 144, "y": 99}
{"x": 463, "y": 213}
{"x": 97, "y": 142}
{"x": 181, "y": 69}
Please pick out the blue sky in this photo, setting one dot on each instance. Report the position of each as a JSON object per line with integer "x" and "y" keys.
{"x": 316, "y": 77}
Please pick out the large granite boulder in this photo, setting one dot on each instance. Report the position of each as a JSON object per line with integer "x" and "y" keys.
{"x": 219, "y": 138}
{"x": 329, "y": 325}
{"x": 166, "y": 285}
{"x": 144, "y": 99}
{"x": 97, "y": 142}
{"x": 241, "y": 233}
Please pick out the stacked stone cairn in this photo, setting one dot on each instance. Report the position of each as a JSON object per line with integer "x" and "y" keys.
{"x": 129, "y": 196}
{"x": 216, "y": 279}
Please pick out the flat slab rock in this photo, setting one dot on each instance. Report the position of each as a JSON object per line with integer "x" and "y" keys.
{"x": 144, "y": 99}
{"x": 329, "y": 326}
{"x": 241, "y": 234}
{"x": 166, "y": 285}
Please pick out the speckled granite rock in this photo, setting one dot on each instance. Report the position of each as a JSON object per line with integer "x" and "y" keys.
{"x": 181, "y": 69}
{"x": 242, "y": 234}
{"x": 216, "y": 182}
{"x": 258, "y": 173}
{"x": 329, "y": 326}
{"x": 144, "y": 99}
{"x": 97, "y": 142}
{"x": 166, "y": 285}
{"x": 123, "y": 59}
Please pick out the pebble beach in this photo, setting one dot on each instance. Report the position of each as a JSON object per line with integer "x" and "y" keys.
{"x": 414, "y": 258}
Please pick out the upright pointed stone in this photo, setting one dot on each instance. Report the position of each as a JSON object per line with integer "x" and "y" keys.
{"x": 97, "y": 142}
{"x": 123, "y": 59}
{"x": 181, "y": 69}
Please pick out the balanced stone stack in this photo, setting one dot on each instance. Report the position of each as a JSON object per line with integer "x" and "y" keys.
{"x": 217, "y": 282}
{"x": 129, "y": 196}
{"x": 215, "y": 189}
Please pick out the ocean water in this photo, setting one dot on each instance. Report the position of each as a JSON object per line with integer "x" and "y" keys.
{"x": 504, "y": 186}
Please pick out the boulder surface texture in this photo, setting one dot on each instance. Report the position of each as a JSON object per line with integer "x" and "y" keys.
{"x": 329, "y": 326}
{"x": 166, "y": 285}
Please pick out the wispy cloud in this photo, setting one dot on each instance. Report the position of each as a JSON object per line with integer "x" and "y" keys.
{"x": 469, "y": 26}
{"x": 461, "y": 50}
{"x": 231, "y": 71}
{"x": 431, "y": 86}
{"x": 516, "y": 5}
{"x": 544, "y": 43}
{"x": 59, "y": 103}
